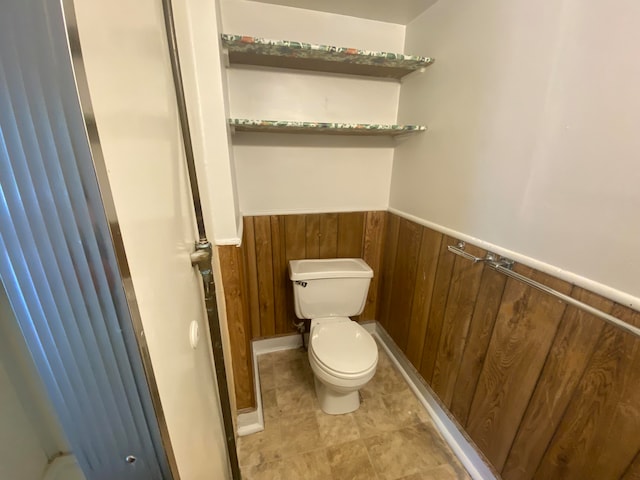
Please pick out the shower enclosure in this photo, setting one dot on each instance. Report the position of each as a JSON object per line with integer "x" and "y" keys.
{"x": 33, "y": 443}
{"x": 73, "y": 360}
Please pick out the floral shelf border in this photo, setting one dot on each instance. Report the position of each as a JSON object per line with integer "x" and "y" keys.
{"x": 383, "y": 64}
{"x": 285, "y": 126}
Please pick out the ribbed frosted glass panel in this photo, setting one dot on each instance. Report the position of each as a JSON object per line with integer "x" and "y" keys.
{"x": 57, "y": 260}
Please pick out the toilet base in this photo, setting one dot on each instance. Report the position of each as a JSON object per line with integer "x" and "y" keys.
{"x": 334, "y": 402}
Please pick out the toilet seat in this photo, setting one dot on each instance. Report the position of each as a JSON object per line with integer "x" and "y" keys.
{"x": 342, "y": 348}
{"x": 339, "y": 376}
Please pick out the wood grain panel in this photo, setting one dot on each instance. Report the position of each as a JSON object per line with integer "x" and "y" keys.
{"x": 633, "y": 470}
{"x": 480, "y": 330}
{"x": 372, "y": 253}
{"x": 463, "y": 290}
{"x": 233, "y": 278}
{"x": 620, "y": 421}
{"x": 328, "y": 235}
{"x": 565, "y": 454}
{"x": 422, "y": 293}
{"x": 403, "y": 280}
{"x": 388, "y": 266}
{"x": 438, "y": 307}
{"x": 602, "y": 413}
{"x": 264, "y": 267}
{"x": 281, "y": 280}
{"x": 250, "y": 264}
{"x": 271, "y": 242}
{"x": 350, "y": 234}
{"x": 312, "y": 236}
{"x": 510, "y": 376}
{"x": 524, "y": 330}
{"x": 572, "y": 348}
{"x": 295, "y": 228}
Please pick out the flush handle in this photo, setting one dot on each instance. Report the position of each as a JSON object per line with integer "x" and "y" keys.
{"x": 302, "y": 284}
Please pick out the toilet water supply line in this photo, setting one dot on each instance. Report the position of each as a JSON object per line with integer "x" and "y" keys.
{"x": 300, "y": 326}
{"x": 203, "y": 255}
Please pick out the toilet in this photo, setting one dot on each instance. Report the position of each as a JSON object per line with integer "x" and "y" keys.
{"x": 342, "y": 354}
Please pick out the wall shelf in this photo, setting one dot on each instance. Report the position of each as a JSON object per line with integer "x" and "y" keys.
{"x": 283, "y": 126}
{"x": 305, "y": 56}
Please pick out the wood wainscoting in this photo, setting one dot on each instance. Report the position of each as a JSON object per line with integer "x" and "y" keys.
{"x": 257, "y": 289}
{"x": 545, "y": 391}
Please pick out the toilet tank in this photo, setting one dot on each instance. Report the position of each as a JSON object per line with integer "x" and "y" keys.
{"x": 332, "y": 287}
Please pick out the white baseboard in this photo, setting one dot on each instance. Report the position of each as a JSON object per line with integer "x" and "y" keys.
{"x": 253, "y": 422}
{"x": 275, "y": 344}
{"x": 456, "y": 440}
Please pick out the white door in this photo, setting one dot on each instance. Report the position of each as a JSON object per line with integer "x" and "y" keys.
{"x": 129, "y": 76}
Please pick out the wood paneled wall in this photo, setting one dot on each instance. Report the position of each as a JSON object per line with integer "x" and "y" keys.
{"x": 234, "y": 280}
{"x": 258, "y": 292}
{"x": 546, "y": 391}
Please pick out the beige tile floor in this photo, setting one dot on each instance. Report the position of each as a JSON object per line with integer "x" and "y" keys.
{"x": 389, "y": 437}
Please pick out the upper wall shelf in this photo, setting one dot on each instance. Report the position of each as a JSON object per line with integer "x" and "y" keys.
{"x": 305, "y": 56}
{"x": 280, "y": 126}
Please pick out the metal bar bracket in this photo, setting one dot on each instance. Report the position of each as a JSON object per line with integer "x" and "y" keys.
{"x": 201, "y": 259}
{"x": 202, "y": 255}
{"x": 490, "y": 258}
{"x": 505, "y": 266}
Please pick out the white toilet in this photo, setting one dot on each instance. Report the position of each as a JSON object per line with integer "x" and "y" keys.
{"x": 342, "y": 354}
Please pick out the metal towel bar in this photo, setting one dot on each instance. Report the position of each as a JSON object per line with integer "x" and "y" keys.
{"x": 504, "y": 265}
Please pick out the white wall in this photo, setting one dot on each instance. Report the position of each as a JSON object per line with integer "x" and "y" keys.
{"x": 533, "y": 110}
{"x": 198, "y": 26}
{"x": 278, "y": 22}
{"x": 129, "y": 76}
{"x": 29, "y": 431}
{"x": 22, "y": 457}
{"x": 302, "y": 173}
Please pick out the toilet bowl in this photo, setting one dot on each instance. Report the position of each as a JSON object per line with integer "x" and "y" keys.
{"x": 342, "y": 354}
{"x": 343, "y": 357}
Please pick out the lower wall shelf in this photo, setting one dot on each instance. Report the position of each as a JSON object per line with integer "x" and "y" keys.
{"x": 283, "y": 126}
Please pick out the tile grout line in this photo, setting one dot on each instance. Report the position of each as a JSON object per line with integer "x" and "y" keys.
{"x": 462, "y": 449}
{"x": 371, "y": 462}
{"x": 396, "y": 364}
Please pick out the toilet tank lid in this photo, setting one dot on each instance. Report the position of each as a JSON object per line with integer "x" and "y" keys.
{"x": 313, "y": 269}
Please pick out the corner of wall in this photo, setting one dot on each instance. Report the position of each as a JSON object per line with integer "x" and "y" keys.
{"x": 198, "y": 28}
